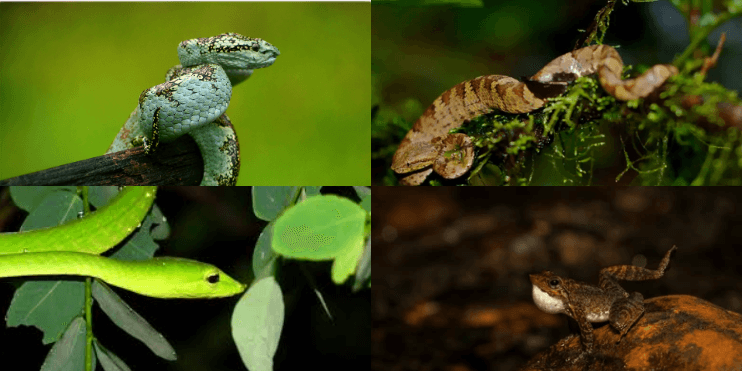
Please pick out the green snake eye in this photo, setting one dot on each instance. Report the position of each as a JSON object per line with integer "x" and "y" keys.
{"x": 73, "y": 248}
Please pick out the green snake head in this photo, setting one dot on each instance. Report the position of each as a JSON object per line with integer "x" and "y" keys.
{"x": 169, "y": 277}
{"x": 237, "y": 54}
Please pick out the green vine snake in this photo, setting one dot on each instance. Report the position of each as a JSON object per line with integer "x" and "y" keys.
{"x": 192, "y": 101}
{"x": 73, "y": 247}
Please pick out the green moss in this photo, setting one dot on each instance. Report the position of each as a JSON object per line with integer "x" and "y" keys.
{"x": 563, "y": 142}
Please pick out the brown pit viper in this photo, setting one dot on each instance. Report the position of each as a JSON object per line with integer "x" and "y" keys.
{"x": 428, "y": 147}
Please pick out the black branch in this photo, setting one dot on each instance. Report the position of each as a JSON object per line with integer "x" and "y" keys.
{"x": 176, "y": 163}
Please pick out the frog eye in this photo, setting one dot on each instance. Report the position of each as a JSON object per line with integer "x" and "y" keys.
{"x": 554, "y": 283}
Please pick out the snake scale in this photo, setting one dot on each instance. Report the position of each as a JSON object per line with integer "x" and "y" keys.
{"x": 73, "y": 248}
{"x": 427, "y": 147}
{"x": 192, "y": 101}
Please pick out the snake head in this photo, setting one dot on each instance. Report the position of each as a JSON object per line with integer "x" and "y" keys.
{"x": 237, "y": 54}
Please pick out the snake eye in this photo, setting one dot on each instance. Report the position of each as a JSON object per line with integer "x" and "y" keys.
{"x": 255, "y": 47}
{"x": 214, "y": 278}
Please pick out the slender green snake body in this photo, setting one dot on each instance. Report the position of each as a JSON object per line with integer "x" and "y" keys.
{"x": 72, "y": 249}
{"x": 193, "y": 100}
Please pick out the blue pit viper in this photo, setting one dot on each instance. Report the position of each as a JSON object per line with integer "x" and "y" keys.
{"x": 192, "y": 100}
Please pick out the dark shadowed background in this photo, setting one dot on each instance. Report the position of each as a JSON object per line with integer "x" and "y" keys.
{"x": 420, "y": 52}
{"x": 451, "y": 288}
{"x": 216, "y": 226}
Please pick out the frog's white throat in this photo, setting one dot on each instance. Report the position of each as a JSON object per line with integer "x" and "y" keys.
{"x": 546, "y": 302}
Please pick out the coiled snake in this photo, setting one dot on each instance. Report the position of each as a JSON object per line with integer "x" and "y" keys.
{"x": 192, "y": 100}
{"x": 424, "y": 148}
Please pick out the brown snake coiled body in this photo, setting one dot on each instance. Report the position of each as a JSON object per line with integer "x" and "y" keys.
{"x": 422, "y": 149}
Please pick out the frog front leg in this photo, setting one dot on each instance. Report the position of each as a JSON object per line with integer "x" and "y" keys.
{"x": 586, "y": 329}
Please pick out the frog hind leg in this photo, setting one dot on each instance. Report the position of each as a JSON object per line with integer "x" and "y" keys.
{"x": 625, "y": 312}
{"x": 609, "y": 275}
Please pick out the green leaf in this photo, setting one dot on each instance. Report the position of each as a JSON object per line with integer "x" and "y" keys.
{"x": 29, "y": 198}
{"x": 53, "y": 209}
{"x": 263, "y": 258}
{"x": 130, "y": 321}
{"x": 48, "y": 305}
{"x": 157, "y": 224}
{"x": 256, "y": 324}
{"x": 141, "y": 244}
{"x": 322, "y": 228}
{"x": 100, "y": 196}
{"x": 312, "y": 191}
{"x": 346, "y": 262}
{"x": 365, "y": 194}
{"x": 51, "y": 305}
{"x": 108, "y": 360}
{"x": 364, "y": 268}
{"x": 269, "y": 202}
{"x": 68, "y": 354}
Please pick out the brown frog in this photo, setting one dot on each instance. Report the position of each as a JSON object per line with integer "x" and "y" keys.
{"x": 587, "y": 303}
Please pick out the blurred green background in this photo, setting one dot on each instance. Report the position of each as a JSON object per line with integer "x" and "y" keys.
{"x": 72, "y": 73}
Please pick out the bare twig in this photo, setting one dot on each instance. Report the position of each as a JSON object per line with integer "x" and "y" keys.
{"x": 177, "y": 163}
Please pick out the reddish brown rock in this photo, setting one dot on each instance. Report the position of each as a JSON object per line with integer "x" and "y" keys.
{"x": 675, "y": 333}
